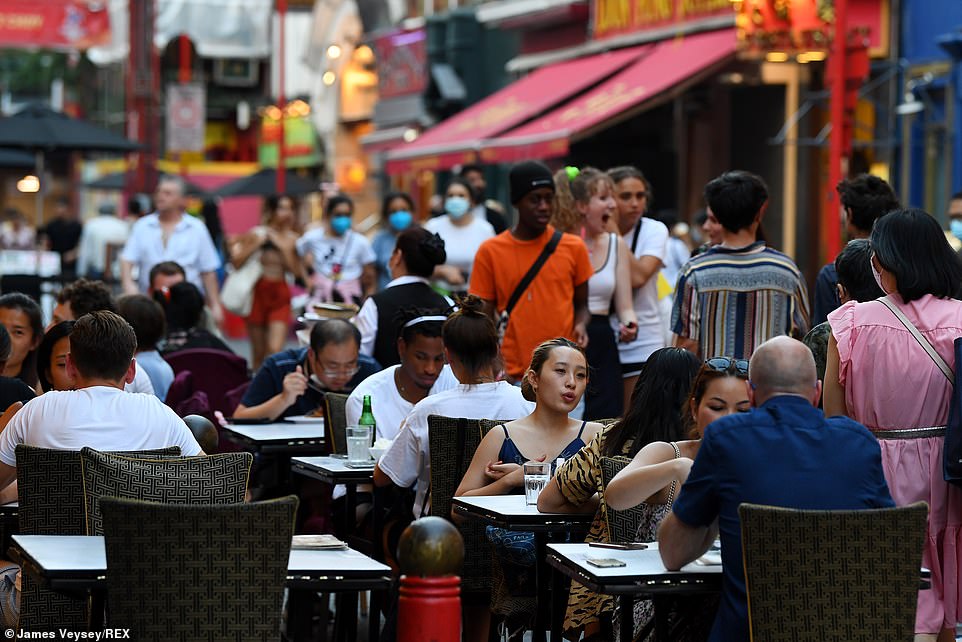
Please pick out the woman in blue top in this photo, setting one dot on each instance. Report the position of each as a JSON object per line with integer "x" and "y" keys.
{"x": 555, "y": 381}
{"x": 397, "y": 214}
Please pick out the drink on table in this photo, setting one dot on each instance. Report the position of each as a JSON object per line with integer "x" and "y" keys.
{"x": 536, "y": 476}
{"x": 367, "y": 418}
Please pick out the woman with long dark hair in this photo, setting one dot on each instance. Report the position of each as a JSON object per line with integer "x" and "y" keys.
{"x": 23, "y": 319}
{"x": 656, "y": 413}
{"x": 878, "y": 374}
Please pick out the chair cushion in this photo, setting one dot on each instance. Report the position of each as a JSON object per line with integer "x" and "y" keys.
{"x": 215, "y": 479}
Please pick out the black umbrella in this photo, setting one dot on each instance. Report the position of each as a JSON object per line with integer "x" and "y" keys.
{"x": 264, "y": 183}
{"x": 37, "y": 127}
{"x": 40, "y": 129}
{"x": 116, "y": 182}
{"x": 15, "y": 158}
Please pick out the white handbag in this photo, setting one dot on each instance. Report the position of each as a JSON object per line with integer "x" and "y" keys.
{"x": 237, "y": 295}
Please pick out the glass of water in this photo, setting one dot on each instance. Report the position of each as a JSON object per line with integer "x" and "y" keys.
{"x": 536, "y": 476}
{"x": 358, "y": 442}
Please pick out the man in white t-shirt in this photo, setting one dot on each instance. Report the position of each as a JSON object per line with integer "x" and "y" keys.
{"x": 98, "y": 414}
{"x": 395, "y": 390}
{"x": 170, "y": 234}
{"x": 421, "y": 373}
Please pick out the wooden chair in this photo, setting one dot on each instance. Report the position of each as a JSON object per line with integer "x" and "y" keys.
{"x": 832, "y": 576}
{"x": 51, "y": 502}
{"x": 335, "y": 421}
{"x": 215, "y": 479}
{"x": 197, "y": 571}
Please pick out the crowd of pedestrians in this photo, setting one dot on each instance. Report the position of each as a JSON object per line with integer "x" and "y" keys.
{"x": 588, "y": 327}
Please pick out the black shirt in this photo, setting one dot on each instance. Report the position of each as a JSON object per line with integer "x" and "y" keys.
{"x": 13, "y": 390}
{"x": 64, "y": 235}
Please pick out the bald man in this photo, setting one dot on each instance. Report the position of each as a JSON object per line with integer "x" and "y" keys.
{"x": 783, "y": 453}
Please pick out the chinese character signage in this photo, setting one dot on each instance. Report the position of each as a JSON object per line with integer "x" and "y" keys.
{"x": 55, "y": 24}
{"x": 401, "y": 63}
{"x": 611, "y": 18}
{"x": 797, "y": 25}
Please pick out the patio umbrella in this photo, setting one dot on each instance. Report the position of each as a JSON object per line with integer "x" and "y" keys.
{"x": 264, "y": 183}
{"x": 40, "y": 129}
{"x": 116, "y": 181}
{"x": 15, "y": 158}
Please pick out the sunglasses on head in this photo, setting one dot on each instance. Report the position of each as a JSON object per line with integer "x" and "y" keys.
{"x": 724, "y": 364}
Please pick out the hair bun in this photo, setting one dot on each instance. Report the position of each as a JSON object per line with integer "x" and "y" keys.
{"x": 470, "y": 304}
{"x": 432, "y": 247}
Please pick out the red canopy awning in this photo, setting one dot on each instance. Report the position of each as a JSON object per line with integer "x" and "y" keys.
{"x": 671, "y": 65}
{"x": 456, "y": 140}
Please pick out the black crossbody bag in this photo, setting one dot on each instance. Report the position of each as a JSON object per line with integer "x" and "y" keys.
{"x": 526, "y": 281}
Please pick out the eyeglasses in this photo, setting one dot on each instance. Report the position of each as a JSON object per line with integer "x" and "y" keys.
{"x": 724, "y": 364}
{"x": 340, "y": 371}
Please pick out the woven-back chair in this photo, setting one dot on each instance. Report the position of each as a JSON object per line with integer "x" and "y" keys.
{"x": 622, "y": 525}
{"x": 452, "y": 442}
{"x": 197, "y": 571}
{"x": 335, "y": 421}
{"x": 215, "y": 479}
{"x": 824, "y": 576}
{"x": 51, "y": 502}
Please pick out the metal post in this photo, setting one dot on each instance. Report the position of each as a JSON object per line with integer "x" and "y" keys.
{"x": 281, "y": 64}
{"x": 831, "y": 225}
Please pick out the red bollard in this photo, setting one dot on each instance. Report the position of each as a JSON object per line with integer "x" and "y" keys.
{"x": 429, "y": 609}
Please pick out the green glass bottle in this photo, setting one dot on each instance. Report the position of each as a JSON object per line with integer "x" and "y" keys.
{"x": 367, "y": 418}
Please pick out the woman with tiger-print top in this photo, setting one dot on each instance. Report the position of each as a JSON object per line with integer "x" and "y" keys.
{"x": 656, "y": 413}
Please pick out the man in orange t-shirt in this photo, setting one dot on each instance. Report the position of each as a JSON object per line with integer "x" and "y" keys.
{"x": 555, "y": 304}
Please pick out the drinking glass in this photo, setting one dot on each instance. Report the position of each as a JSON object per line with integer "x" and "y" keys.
{"x": 536, "y": 476}
{"x": 358, "y": 441}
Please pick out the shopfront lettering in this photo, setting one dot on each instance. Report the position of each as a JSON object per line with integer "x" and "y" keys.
{"x": 21, "y": 21}
{"x": 619, "y": 17}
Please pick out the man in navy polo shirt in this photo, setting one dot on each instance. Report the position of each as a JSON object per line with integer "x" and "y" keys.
{"x": 783, "y": 453}
{"x": 290, "y": 382}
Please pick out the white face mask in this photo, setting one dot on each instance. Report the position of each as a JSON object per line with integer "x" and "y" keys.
{"x": 878, "y": 278}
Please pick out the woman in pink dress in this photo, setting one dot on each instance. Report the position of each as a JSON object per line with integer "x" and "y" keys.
{"x": 879, "y": 375}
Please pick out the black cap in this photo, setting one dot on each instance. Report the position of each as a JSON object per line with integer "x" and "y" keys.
{"x": 528, "y": 176}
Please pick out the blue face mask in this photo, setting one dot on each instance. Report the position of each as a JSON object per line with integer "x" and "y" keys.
{"x": 400, "y": 220}
{"x": 955, "y": 226}
{"x": 456, "y": 206}
{"x": 340, "y": 224}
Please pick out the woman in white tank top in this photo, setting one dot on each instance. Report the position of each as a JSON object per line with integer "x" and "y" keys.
{"x": 591, "y": 193}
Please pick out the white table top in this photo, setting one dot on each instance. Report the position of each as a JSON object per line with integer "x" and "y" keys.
{"x": 278, "y": 431}
{"x": 514, "y": 506}
{"x": 638, "y": 564}
{"x": 333, "y": 465}
{"x": 81, "y": 554}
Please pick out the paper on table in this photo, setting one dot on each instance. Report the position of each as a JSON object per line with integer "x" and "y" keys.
{"x": 317, "y": 543}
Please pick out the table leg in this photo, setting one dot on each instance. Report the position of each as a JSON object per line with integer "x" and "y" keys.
{"x": 299, "y": 615}
{"x": 558, "y": 604}
{"x": 374, "y": 617}
{"x": 543, "y": 587}
{"x": 662, "y": 606}
{"x": 345, "y": 616}
{"x": 96, "y": 604}
{"x": 627, "y": 620}
{"x": 350, "y": 510}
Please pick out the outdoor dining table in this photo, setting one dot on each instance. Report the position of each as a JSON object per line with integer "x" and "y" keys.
{"x": 512, "y": 513}
{"x": 335, "y": 470}
{"x": 643, "y": 575}
{"x": 277, "y": 442}
{"x": 78, "y": 563}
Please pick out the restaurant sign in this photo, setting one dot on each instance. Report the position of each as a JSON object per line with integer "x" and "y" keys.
{"x": 55, "y": 24}
{"x": 611, "y": 18}
{"x": 799, "y": 25}
{"x": 401, "y": 63}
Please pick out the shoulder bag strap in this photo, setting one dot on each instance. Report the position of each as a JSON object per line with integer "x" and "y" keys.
{"x": 935, "y": 356}
{"x": 533, "y": 271}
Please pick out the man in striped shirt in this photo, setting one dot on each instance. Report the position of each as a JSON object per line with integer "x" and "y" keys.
{"x": 740, "y": 293}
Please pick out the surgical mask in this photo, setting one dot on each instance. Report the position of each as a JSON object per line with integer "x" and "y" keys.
{"x": 400, "y": 220}
{"x": 456, "y": 206}
{"x": 340, "y": 224}
{"x": 878, "y": 278}
{"x": 955, "y": 226}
